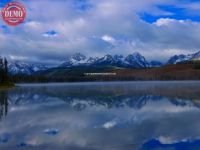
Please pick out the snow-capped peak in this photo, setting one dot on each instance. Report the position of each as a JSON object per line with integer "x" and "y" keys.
{"x": 183, "y": 58}
{"x": 107, "y": 58}
{"x": 196, "y": 56}
{"x": 75, "y": 60}
{"x": 118, "y": 57}
{"x": 91, "y": 60}
{"x": 136, "y": 59}
{"x": 19, "y": 67}
{"x": 78, "y": 57}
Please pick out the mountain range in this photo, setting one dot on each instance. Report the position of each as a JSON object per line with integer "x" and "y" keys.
{"x": 183, "y": 58}
{"x": 19, "y": 67}
{"x": 135, "y": 61}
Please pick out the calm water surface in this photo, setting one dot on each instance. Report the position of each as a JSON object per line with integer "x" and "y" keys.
{"x": 101, "y": 116}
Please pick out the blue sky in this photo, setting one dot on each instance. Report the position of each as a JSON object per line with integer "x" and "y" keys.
{"x": 157, "y": 29}
{"x": 3, "y": 2}
{"x": 177, "y": 12}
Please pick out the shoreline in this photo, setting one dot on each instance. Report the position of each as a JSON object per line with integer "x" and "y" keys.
{"x": 7, "y": 86}
{"x": 105, "y": 82}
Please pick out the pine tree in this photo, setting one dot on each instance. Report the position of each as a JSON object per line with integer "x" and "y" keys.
{"x": 1, "y": 70}
{"x": 5, "y": 70}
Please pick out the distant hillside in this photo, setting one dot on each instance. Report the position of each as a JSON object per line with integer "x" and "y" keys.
{"x": 184, "y": 58}
{"x": 134, "y": 60}
{"x": 132, "y": 67}
{"x": 78, "y": 60}
{"x": 184, "y": 71}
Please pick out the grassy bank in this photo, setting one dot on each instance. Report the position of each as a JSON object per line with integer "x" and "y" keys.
{"x": 4, "y": 86}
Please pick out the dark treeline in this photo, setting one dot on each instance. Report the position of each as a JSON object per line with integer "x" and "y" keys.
{"x": 3, "y": 70}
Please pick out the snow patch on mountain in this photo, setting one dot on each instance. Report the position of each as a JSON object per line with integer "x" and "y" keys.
{"x": 75, "y": 60}
{"x": 184, "y": 58}
{"x": 196, "y": 56}
{"x": 134, "y": 60}
{"x": 18, "y": 67}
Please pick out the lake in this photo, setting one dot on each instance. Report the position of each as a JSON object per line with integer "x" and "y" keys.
{"x": 101, "y": 116}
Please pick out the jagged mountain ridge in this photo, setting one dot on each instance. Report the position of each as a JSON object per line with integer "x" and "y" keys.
{"x": 183, "y": 58}
{"x": 19, "y": 67}
{"x": 135, "y": 60}
{"x": 79, "y": 102}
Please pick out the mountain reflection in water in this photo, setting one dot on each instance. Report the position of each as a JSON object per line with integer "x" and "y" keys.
{"x": 3, "y": 104}
{"x": 127, "y": 115}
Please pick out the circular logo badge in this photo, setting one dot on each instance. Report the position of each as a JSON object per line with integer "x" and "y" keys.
{"x": 13, "y": 13}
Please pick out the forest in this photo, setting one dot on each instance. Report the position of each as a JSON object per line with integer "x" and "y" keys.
{"x": 3, "y": 71}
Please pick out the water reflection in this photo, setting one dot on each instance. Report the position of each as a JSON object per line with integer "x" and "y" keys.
{"x": 102, "y": 116}
{"x": 3, "y": 104}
